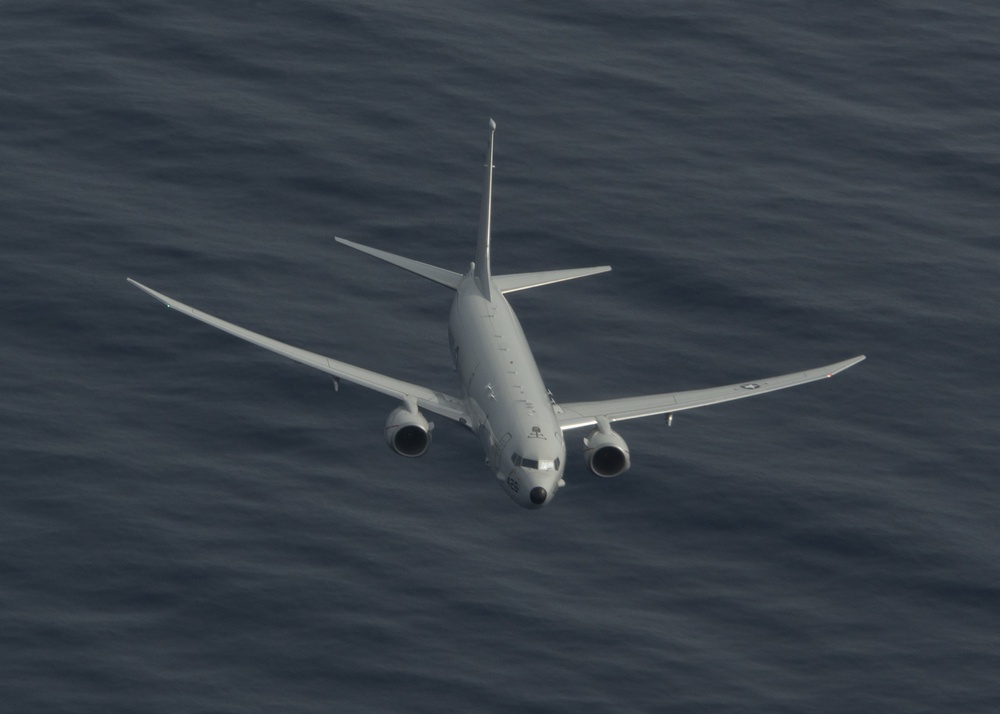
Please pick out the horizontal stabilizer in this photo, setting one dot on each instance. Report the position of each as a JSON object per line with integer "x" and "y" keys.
{"x": 431, "y": 272}
{"x": 524, "y": 281}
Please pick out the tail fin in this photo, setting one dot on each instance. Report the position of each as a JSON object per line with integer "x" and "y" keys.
{"x": 483, "y": 246}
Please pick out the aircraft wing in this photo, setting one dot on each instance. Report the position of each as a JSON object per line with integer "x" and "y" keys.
{"x": 432, "y": 401}
{"x": 579, "y": 414}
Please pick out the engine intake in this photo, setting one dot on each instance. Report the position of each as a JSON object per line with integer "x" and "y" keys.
{"x": 407, "y": 432}
{"x": 606, "y": 451}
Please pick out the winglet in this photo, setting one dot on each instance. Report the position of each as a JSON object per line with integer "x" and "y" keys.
{"x": 483, "y": 246}
{"x": 846, "y": 364}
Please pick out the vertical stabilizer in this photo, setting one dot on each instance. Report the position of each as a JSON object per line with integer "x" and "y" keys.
{"x": 483, "y": 246}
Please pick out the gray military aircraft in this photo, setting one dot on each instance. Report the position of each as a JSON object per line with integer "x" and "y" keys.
{"x": 503, "y": 398}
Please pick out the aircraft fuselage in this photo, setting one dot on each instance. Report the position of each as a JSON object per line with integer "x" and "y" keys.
{"x": 507, "y": 401}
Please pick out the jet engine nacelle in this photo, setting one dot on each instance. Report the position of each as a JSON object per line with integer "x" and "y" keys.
{"x": 407, "y": 432}
{"x": 606, "y": 451}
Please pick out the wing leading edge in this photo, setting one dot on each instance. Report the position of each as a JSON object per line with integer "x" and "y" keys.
{"x": 431, "y": 400}
{"x": 579, "y": 414}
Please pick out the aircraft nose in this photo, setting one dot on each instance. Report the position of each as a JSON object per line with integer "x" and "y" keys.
{"x": 538, "y": 495}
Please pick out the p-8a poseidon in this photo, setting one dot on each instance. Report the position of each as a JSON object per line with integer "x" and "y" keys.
{"x": 503, "y": 399}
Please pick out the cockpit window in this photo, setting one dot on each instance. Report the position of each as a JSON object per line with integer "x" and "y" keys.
{"x": 543, "y": 465}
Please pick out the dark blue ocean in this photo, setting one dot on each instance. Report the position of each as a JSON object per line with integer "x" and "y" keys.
{"x": 191, "y": 524}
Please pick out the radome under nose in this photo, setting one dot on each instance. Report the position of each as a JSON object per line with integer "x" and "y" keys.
{"x": 538, "y": 495}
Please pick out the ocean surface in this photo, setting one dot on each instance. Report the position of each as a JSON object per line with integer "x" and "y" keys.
{"x": 192, "y": 524}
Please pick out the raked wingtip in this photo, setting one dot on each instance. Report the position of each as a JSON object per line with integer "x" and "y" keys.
{"x": 846, "y": 364}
